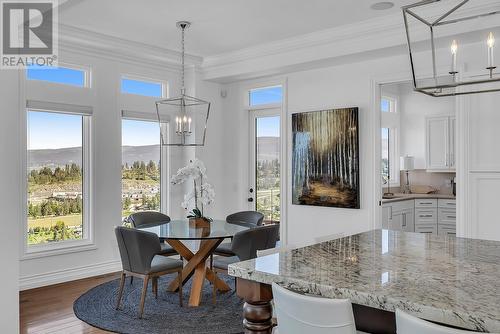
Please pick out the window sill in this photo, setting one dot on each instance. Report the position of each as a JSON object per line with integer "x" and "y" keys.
{"x": 39, "y": 251}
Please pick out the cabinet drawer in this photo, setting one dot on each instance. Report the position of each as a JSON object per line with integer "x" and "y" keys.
{"x": 447, "y": 203}
{"x": 426, "y": 203}
{"x": 426, "y": 216}
{"x": 426, "y": 228}
{"x": 447, "y": 216}
{"x": 445, "y": 229}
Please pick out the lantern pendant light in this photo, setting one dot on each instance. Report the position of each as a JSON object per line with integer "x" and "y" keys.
{"x": 186, "y": 116}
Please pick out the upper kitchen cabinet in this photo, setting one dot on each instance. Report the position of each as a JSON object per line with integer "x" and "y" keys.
{"x": 440, "y": 143}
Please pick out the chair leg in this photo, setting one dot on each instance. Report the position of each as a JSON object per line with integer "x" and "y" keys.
{"x": 143, "y": 296}
{"x": 131, "y": 280}
{"x": 179, "y": 277}
{"x": 154, "y": 286}
{"x": 120, "y": 292}
{"x": 211, "y": 261}
{"x": 214, "y": 289}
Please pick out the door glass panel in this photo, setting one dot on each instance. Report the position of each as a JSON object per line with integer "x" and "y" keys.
{"x": 267, "y": 167}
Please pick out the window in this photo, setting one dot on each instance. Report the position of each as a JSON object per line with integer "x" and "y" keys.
{"x": 142, "y": 87}
{"x": 60, "y": 75}
{"x": 57, "y": 177}
{"x": 266, "y": 95}
{"x": 141, "y": 166}
{"x": 390, "y": 160}
{"x": 388, "y": 104}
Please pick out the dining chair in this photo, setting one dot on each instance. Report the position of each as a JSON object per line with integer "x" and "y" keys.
{"x": 245, "y": 245}
{"x": 408, "y": 324}
{"x": 297, "y": 313}
{"x": 248, "y": 219}
{"x": 152, "y": 218}
{"x": 139, "y": 257}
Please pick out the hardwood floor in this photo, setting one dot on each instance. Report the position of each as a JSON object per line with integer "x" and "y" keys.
{"x": 49, "y": 310}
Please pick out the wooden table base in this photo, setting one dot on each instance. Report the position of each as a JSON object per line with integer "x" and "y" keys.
{"x": 196, "y": 267}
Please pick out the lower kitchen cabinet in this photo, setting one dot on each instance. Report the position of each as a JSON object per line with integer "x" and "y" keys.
{"x": 434, "y": 216}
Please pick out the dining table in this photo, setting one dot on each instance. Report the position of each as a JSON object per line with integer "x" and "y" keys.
{"x": 210, "y": 235}
{"x": 447, "y": 280}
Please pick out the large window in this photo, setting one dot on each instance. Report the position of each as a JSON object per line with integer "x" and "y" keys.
{"x": 141, "y": 169}
{"x": 59, "y": 75}
{"x": 57, "y": 177}
{"x": 390, "y": 142}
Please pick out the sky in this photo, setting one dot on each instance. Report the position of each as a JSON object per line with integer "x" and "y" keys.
{"x": 48, "y": 130}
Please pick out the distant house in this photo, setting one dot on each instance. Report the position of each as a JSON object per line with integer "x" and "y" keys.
{"x": 62, "y": 195}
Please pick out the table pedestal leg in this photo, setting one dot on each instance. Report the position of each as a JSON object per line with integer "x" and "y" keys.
{"x": 257, "y": 310}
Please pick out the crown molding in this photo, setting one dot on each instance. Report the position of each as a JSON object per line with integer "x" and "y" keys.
{"x": 72, "y": 38}
{"x": 322, "y": 47}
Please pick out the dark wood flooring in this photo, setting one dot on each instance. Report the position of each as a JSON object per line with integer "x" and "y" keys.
{"x": 49, "y": 310}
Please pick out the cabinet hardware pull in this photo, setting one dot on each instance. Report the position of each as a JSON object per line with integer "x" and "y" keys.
{"x": 425, "y": 216}
{"x": 454, "y": 217}
{"x": 426, "y": 203}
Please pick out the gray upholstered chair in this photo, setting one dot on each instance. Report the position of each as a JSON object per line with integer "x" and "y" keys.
{"x": 139, "y": 256}
{"x": 245, "y": 246}
{"x": 249, "y": 219}
{"x": 152, "y": 218}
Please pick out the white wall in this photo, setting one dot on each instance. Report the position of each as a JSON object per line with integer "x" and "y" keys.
{"x": 10, "y": 195}
{"x": 342, "y": 86}
{"x": 414, "y": 108}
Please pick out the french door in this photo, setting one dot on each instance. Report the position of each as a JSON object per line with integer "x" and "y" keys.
{"x": 265, "y": 162}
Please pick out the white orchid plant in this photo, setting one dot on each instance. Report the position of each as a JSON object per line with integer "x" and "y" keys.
{"x": 201, "y": 194}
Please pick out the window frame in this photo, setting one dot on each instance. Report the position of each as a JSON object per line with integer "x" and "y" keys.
{"x": 164, "y": 154}
{"x": 87, "y": 76}
{"x": 391, "y": 120}
{"x": 164, "y": 85}
{"x": 67, "y": 246}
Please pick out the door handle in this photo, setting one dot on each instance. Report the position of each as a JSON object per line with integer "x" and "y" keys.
{"x": 250, "y": 199}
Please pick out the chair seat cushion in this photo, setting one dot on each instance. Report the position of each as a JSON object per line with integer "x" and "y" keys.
{"x": 161, "y": 263}
{"x": 224, "y": 250}
{"x": 221, "y": 262}
{"x": 166, "y": 249}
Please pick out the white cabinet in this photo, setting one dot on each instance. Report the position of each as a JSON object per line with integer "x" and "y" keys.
{"x": 399, "y": 216}
{"x": 440, "y": 143}
{"x": 423, "y": 215}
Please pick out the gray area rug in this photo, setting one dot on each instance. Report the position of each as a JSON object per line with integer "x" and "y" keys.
{"x": 163, "y": 315}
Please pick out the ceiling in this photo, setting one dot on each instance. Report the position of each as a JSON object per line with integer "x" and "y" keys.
{"x": 218, "y": 26}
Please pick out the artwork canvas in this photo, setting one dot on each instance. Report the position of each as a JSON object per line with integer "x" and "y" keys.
{"x": 325, "y": 158}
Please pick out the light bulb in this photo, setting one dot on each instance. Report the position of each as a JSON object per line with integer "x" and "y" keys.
{"x": 491, "y": 40}
{"x": 185, "y": 119}
{"x": 454, "y": 47}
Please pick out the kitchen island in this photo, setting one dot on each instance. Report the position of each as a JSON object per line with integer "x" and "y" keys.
{"x": 448, "y": 280}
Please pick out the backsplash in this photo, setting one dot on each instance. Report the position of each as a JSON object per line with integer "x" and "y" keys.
{"x": 420, "y": 177}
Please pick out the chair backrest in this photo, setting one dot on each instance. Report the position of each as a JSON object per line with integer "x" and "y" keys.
{"x": 137, "y": 248}
{"x": 246, "y": 218}
{"x": 147, "y": 218}
{"x": 297, "y": 313}
{"x": 245, "y": 244}
{"x": 408, "y": 324}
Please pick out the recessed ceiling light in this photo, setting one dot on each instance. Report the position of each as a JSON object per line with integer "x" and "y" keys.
{"x": 384, "y": 5}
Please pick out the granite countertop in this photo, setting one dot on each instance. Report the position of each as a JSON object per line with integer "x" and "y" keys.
{"x": 404, "y": 197}
{"x": 454, "y": 281}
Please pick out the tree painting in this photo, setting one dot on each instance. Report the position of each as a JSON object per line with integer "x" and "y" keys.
{"x": 325, "y": 158}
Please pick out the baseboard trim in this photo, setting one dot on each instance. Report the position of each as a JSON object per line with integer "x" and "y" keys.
{"x": 66, "y": 275}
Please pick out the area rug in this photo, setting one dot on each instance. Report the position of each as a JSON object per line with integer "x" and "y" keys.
{"x": 163, "y": 315}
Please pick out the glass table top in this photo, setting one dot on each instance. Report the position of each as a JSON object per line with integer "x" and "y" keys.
{"x": 185, "y": 230}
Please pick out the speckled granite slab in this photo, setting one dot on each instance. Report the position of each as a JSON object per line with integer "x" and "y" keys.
{"x": 454, "y": 281}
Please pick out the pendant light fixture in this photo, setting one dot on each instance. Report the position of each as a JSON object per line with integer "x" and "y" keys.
{"x": 437, "y": 33}
{"x": 186, "y": 116}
